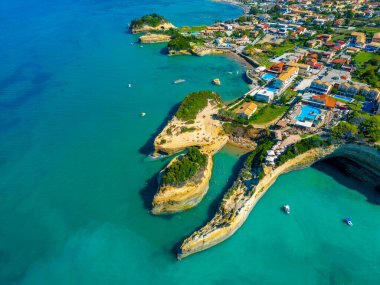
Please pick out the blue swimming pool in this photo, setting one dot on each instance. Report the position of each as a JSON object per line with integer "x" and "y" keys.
{"x": 344, "y": 98}
{"x": 271, "y": 89}
{"x": 268, "y": 76}
{"x": 308, "y": 113}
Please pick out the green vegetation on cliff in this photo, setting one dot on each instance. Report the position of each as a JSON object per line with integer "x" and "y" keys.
{"x": 152, "y": 20}
{"x": 360, "y": 126}
{"x": 183, "y": 43}
{"x": 185, "y": 168}
{"x": 194, "y": 103}
{"x": 301, "y": 147}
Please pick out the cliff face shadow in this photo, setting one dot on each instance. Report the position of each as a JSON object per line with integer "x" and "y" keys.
{"x": 164, "y": 51}
{"x": 147, "y": 193}
{"x": 147, "y": 148}
{"x": 353, "y": 176}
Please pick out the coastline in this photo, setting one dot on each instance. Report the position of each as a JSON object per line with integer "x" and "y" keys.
{"x": 236, "y": 207}
{"x": 242, "y": 6}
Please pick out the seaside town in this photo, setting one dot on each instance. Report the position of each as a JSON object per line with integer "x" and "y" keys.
{"x": 308, "y": 66}
{"x": 313, "y": 69}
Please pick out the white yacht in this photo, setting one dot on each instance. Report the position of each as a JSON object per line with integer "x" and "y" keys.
{"x": 179, "y": 81}
{"x": 286, "y": 209}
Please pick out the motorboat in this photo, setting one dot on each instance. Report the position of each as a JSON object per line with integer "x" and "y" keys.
{"x": 143, "y": 114}
{"x": 286, "y": 209}
{"x": 129, "y": 85}
{"x": 179, "y": 81}
{"x": 348, "y": 221}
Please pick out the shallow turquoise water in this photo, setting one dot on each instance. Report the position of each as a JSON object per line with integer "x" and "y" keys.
{"x": 75, "y": 181}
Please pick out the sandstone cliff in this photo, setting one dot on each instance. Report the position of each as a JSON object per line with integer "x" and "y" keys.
{"x": 154, "y": 38}
{"x": 146, "y": 28}
{"x": 170, "y": 199}
{"x": 241, "y": 198}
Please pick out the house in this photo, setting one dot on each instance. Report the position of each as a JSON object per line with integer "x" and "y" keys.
{"x": 376, "y": 38}
{"x": 320, "y": 87}
{"x": 286, "y": 77}
{"x": 370, "y": 94}
{"x": 323, "y": 101}
{"x": 246, "y": 110}
{"x": 338, "y": 22}
{"x": 264, "y": 95}
{"x": 243, "y": 40}
{"x": 340, "y": 62}
{"x": 346, "y": 89}
{"x": 358, "y": 39}
{"x": 276, "y": 68}
{"x": 373, "y": 47}
{"x": 313, "y": 43}
{"x": 304, "y": 69}
{"x": 324, "y": 37}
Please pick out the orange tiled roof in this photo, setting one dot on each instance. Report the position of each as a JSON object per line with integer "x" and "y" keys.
{"x": 329, "y": 101}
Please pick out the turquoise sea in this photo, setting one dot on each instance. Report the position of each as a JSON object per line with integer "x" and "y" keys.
{"x": 76, "y": 184}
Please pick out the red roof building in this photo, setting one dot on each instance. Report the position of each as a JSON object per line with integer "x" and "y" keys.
{"x": 326, "y": 100}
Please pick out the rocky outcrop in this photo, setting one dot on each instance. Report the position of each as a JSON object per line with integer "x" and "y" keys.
{"x": 154, "y": 38}
{"x": 170, "y": 199}
{"x": 179, "y": 52}
{"x": 241, "y": 198}
{"x": 146, "y": 28}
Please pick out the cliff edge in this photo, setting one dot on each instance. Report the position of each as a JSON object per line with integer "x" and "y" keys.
{"x": 239, "y": 201}
{"x": 170, "y": 199}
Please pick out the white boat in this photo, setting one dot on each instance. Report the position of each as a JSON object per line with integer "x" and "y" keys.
{"x": 129, "y": 85}
{"x": 286, "y": 209}
{"x": 348, "y": 222}
{"x": 143, "y": 114}
{"x": 179, "y": 81}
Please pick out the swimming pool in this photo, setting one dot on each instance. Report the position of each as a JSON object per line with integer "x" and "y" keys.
{"x": 308, "y": 113}
{"x": 268, "y": 76}
{"x": 344, "y": 98}
{"x": 271, "y": 89}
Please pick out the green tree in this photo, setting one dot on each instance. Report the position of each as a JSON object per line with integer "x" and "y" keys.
{"x": 344, "y": 130}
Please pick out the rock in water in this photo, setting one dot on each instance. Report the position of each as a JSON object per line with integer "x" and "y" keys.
{"x": 216, "y": 81}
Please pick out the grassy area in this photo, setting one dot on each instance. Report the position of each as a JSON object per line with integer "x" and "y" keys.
{"x": 195, "y": 29}
{"x": 363, "y": 57}
{"x": 371, "y": 30}
{"x": 267, "y": 113}
{"x": 367, "y": 65}
{"x": 194, "y": 103}
{"x": 289, "y": 94}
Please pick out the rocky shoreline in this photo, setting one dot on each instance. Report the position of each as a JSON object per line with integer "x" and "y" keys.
{"x": 171, "y": 199}
{"x": 239, "y": 201}
{"x": 151, "y": 38}
{"x": 146, "y": 28}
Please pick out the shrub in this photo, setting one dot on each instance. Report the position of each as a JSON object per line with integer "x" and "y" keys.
{"x": 194, "y": 103}
{"x": 153, "y": 20}
{"x": 185, "y": 168}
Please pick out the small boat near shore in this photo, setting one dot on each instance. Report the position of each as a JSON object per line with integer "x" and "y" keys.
{"x": 348, "y": 222}
{"x": 179, "y": 81}
{"x": 286, "y": 209}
